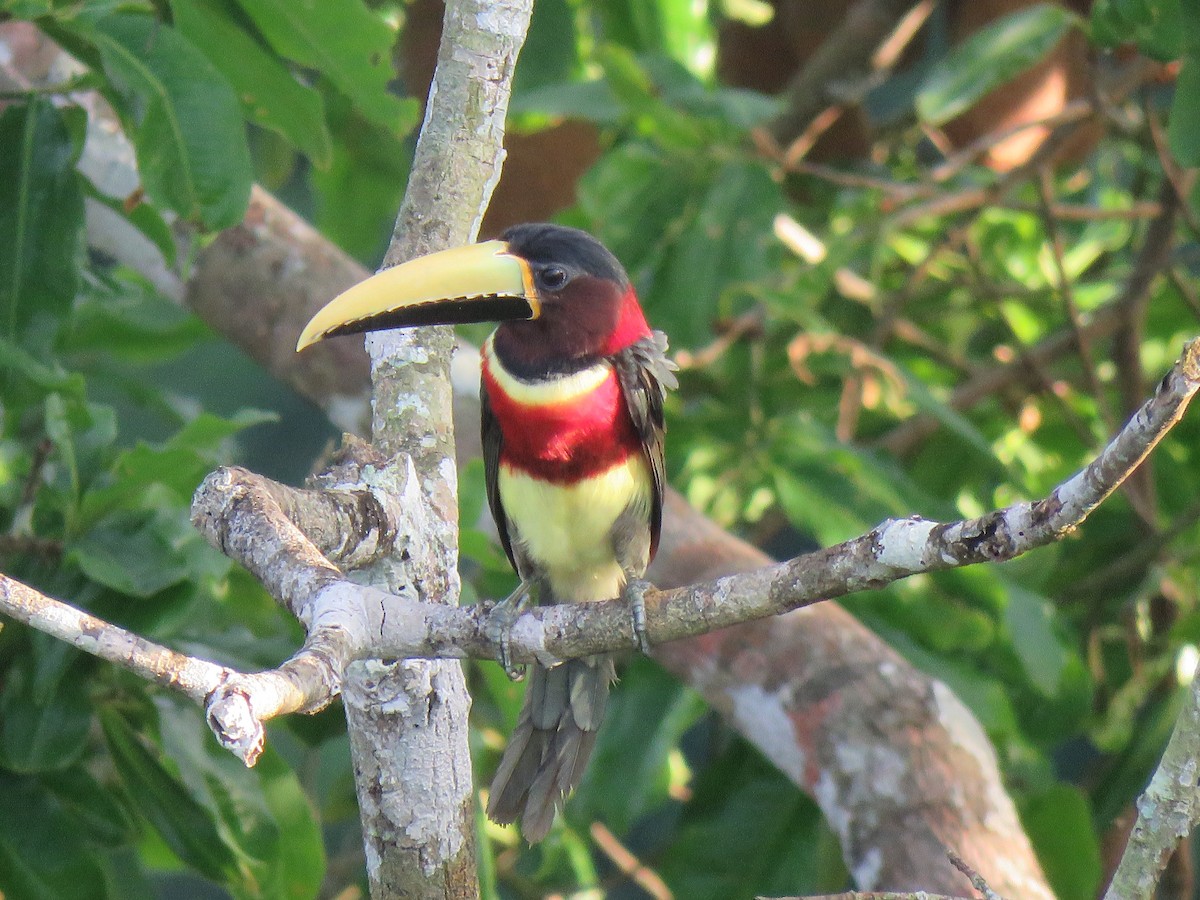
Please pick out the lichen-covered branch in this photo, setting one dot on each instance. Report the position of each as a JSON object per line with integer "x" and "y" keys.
{"x": 1167, "y": 811}
{"x": 408, "y": 720}
{"x": 194, "y": 677}
{"x": 236, "y": 704}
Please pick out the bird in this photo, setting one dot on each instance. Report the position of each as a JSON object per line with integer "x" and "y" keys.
{"x": 573, "y": 385}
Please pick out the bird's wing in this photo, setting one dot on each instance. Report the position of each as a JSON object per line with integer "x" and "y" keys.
{"x": 645, "y": 373}
{"x": 493, "y": 440}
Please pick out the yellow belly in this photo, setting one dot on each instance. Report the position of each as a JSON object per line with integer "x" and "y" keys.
{"x": 566, "y": 529}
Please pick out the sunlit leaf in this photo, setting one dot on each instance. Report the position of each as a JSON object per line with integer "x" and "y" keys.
{"x": 188, "y": 127}
{"x": 271, "y": 96}
{"x": 990, "y": 57}
{"x": 344, "y": 40}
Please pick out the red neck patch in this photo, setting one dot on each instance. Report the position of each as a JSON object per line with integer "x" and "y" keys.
{"x": 631, "y": 325}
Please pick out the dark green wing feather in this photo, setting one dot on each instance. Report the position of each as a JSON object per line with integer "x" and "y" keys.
{"x": 493, "y": 440}
{"x": 645, "y": 373}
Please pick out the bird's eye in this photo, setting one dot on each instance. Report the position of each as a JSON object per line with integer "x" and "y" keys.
{"x": 552, "y": 277}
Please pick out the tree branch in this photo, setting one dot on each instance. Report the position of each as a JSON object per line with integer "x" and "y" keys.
{"x": 1167, "y": 811}
{"x": 408, "y": 720}
{"x": 845, "y": 55}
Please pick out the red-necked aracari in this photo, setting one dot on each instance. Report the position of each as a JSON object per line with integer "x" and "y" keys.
{"x": 572, "y": 420}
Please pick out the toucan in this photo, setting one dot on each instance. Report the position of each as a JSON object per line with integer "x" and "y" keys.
{"x": 573, "y": 385}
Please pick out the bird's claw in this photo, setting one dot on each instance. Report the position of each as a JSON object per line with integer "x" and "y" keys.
{"x": 503, "y": 616}
{"x": 634, "y": 593}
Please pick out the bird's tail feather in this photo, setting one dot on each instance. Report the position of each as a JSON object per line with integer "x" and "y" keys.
{"x": 549, "y": 749}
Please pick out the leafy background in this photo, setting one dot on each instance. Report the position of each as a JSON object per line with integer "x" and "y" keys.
{"x": 114, "y": 403}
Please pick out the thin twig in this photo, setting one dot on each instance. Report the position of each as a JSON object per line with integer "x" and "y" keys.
{"x": 1151, "y": 259}
{"x": 1182, "y": 180}
{"x": 628, "y": 864}
{"x": 1050, "y": 220}
{"x": 1185, "y": 289}
{"x": 977, "y": 880}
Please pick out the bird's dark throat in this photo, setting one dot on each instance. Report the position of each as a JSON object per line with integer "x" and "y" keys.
{"x": 526, "y": 353}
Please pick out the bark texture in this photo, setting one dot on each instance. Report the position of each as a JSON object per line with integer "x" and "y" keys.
{"x": 1167, "y": 811}
{"x": 408, "y": 719}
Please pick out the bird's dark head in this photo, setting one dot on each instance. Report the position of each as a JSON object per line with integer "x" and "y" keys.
{"x": 587, "y": 305}
{"x": 561, "y": 297}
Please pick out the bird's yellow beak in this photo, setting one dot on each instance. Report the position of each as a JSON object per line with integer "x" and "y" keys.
{"x": 476, "y": 283}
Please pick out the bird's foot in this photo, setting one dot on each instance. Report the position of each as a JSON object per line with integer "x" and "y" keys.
{"x": 634, "y": 593}
{"x": 500, "y": 623}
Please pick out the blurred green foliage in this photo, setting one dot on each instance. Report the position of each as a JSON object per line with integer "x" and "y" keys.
{"x": 797, "y": 376}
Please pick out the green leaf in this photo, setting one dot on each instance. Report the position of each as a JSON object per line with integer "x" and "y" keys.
{"x": 1159, "y": 28}
{"x": 261, "y": 813}
{"x": 1183, "y": 129}
{"x": 270, "y": 95}
{"x": 43, "y": 850}
{"x": 746, "y": 831}
{"x": 41, "y": 230}
{"x": 592, "y": 101}
{"x": 726, "y": 243}
{"x": 186, "y": 826}
{"x": 678, "y": 28}
{"x": 188, "y": 129}
{"x": 1030, "y": 619}
{"x": 129, "y": 552}
{"x": 807, "y": 505}
{"x": 989, "y": 58}
{"x": 43, "y": 725}
{"x": 298, "y": 866}
{"x": 641, "y": 94}
{"x": 1059, "y": 823}
{"x": 44, "y": 374}
{"x": 91, "y": 804}
{"x": 59, "y": 430}
{"x": 346, "y": 42}
{"x": 632, "y": 197}
{"x": 131, "y": 325}
{"x": 357, "y": 196}
{"x": 954, "y": 422}
{"x": 549, "y": 55}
